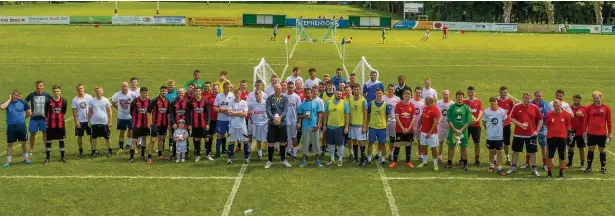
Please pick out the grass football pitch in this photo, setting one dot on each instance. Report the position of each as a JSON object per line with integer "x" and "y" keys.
{"x": 67, "y": 55}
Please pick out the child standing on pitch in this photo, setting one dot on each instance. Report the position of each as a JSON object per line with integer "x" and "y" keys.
{"x": 181, "y": 139}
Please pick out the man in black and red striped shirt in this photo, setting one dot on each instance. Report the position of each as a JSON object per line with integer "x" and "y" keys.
{"x": 200, "y": 118}
{"x": 180, "y": 110}
{"x": 140, "y": 125}
{"x": 159, "y": 108}
{"x": 55, "y": 110}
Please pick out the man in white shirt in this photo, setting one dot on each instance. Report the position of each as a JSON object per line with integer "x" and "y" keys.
{"x": 295, "y": 76}
{"x": 291, "y": 118}
{"x": 392, "y": 101}
{"x": 258, "y": 117}
{"x": 493, "y": 120}
{"x": 121, "y": 101}
{"x": 81, "y": 107}
{"x": 443, "y": 126}
{"x": 313, "y": 80}
{"x": 419, "y": 104}
{"x": 559, "y": 95}
{"x": 99, "y": 116}
{"x": 134, "y": 86}
{"x": 238, "y": 132}
{"x": 269, "y": 90}
{"x": 222, "y": 105}
{"x": 258, "y": 88}
{"x": 428, "y": 91}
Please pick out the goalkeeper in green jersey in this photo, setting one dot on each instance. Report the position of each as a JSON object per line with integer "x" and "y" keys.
{"x": 384, "y": 35}
{"x": 459, "y": 118}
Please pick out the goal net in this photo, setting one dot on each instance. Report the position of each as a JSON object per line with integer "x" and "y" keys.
{"x": 263, "y": 72}
{"x": 363, "y": 69}
{"x": 331, "y": 36}
{"x": 301, "y": 36}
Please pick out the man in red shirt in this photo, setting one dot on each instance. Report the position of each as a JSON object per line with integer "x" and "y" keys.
{"x": 159, "y": 109}
{"x": 210, "y": 95}
{"x": 506, "y": 103}
{"x": 299, "y": 89}
{"x": 599, "y": 128}
{"x": 577, "y": 131}
{"x": 404, "y": 116}
{"x": 528, "y": 122}
{"x": 476, "y": 107}
{"x": 444, "y": 31}
{"x": 558, "y": 124}
{"x": 429, "y": 130}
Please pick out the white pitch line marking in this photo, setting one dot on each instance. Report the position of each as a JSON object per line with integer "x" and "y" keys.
{"x": 387, "y": 190}
{"x": 225, "y": 40}
{"x": 231, "y": 197}
{"x": 120, "y": 177}
{"x": 610, "y": 152}
{"x": 406, "y": 43}
{"x": 499, "y": 179}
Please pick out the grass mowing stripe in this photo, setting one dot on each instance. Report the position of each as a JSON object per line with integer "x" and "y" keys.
{"x": 225, "y": 40}
{"x": 500, "y": 179}
{"x": 231, "y": 197}
{"x": 119, "y": 177}
{"x": 387, "y": 190}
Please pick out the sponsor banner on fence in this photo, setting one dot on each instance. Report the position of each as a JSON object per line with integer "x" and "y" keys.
{"x": 470, "y": 26}
{"x": 608, "y": 29}
{"x": 318, "y": 23}
{"x": 36, "y": 20}
{"x": 169, "y": 20}
{"x": 133, "y": 20}
{"x": 91, "y": 19}
{"x": 593, "y": 29}
{"x": 214, "y": 21}
{"x": 404, "y": 24}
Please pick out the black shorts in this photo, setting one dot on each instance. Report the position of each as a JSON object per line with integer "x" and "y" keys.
{"x": 474, "y": 132}
{"x": 56, "y": 133}
{"x": 578, "y": 141}
{"x": 402, "y": 137}
{"x": 16, "y": 133}
{"x": 495, "y": 144}
{"x": 507, "y": 134}
{"x": 157, "y": 131}
{"x": 559, "y": 145}
{"x": 200, "y": 132}
{"x": 276, "y": 134}
{"x": 100, "y": 130}
{"x": 593, "y": 140}
{"x": 85, "y": 129}
{"x": 140, "y": 132}
{"x": 529, "y": 143}
{"x": 212, "y": 128}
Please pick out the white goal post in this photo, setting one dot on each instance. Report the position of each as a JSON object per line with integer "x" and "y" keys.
{"x": 362, "y": 68}
{"x": 263, "y": 72}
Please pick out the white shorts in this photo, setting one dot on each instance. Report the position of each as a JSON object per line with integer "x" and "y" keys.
{"x": 391, "y": 129}
{"x": 238, "y": 135}
{"x": 442, "y": 133}
{"x": 291, "y": 131}
{"x": 259, "y": 133}
{"x": 432, "y": 142}
{"x": 355, "y": 133}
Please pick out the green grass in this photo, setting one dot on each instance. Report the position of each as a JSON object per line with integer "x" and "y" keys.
{"x": 185, "y": 9}
{"x": 67, "y": 55}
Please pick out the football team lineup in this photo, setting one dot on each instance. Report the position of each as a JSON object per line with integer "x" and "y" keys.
{"x": 310, "y": 149}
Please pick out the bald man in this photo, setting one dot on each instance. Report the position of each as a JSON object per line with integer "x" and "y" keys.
{"x": 121, "y": 101}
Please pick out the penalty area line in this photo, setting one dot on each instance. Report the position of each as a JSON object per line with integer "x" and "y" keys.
{"x": 231, "y": 196}
{"x": 225, "y": 40}
{"x": 405, "y": 42}
{"x": 120, "y": 177}
{"x": 387, "y": 190}
{"x": 500, "y": 179}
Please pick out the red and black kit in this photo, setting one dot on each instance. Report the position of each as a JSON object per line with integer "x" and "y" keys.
{"x": 55, "y": 111}
{"x": 140, "y": 124}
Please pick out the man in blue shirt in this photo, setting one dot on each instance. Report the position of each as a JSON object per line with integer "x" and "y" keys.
{"x": 219, "y": 32}
{"x": 38, "y": 122}
{"x": 544, "y": 108}
{"x": 338, "y": 78}
{"x": 17, "y": 111}
{"x": 310, "y": 118}
{"x": 369, "y": 88}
